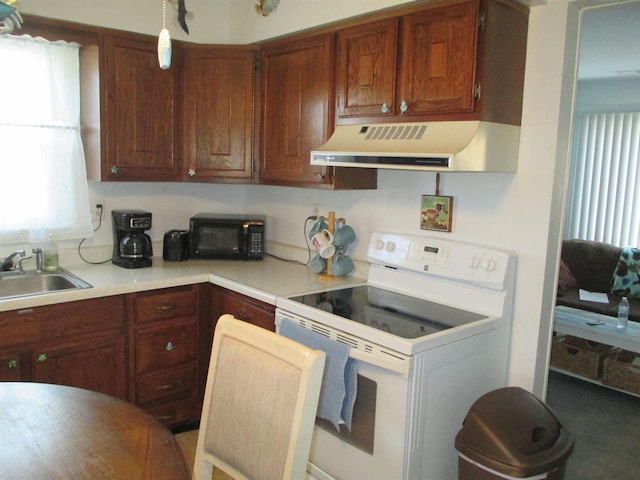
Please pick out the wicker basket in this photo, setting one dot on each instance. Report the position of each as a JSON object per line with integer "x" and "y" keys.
{"x": 578, "y": 355}
{"x": 621, "y": 370}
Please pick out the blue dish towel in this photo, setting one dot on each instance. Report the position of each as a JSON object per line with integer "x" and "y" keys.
{"x": 339, "y": 382}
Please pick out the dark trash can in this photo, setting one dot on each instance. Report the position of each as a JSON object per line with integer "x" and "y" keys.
{"x": 509, "y": 433}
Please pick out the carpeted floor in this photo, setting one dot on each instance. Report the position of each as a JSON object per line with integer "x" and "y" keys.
{"x": 605, "y": 425}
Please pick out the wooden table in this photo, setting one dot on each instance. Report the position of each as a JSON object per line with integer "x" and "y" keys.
{"x": 56, "y": 432}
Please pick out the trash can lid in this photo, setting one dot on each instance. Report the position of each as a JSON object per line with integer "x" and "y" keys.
{"x": 511, "y": 431}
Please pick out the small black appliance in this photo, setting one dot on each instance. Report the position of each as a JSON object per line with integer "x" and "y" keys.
{"x": 131, "y": 246}
{"x": 175, "y": 247}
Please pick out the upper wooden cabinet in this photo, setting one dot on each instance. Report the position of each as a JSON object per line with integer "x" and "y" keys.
{"x": 438, "y": 61}
{"x": 437, "y": 65}
{"x": 298, "y": 115}
{"x": 139, "y": 122}
{"x": 218, "y": 113}
{"x": 366, "y": 69}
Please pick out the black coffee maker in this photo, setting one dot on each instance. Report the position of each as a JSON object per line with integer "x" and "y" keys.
{"x": 131, "y": 246}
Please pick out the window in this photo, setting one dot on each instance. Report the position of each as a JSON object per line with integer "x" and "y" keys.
{"x": 603, "y": 202}
{"x": 42, "y": 167}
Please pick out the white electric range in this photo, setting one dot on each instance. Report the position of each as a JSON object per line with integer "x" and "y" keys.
{"x": 429, "y": 333}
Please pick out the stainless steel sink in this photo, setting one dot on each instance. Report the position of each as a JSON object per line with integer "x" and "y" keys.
{"x": 34, "y": 283}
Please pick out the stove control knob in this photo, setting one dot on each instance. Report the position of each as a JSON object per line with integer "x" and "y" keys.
{"x": 379, "y": 244}
{"x": 390, "y": 247}
{"x": 474, "y": 262}
{"x": 489, "y": 264}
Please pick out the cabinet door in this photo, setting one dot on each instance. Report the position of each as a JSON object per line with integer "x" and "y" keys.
{"x": 438, "y": 68}
{"x": 218, "y": 114}
{"x": 296, "y": 114}
{"x": 140, "y": 112}
{"x": 95, "y": 364}
{"x": 366, "y": 78}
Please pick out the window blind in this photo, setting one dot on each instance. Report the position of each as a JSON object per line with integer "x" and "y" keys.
{"x": 603, "y": 202}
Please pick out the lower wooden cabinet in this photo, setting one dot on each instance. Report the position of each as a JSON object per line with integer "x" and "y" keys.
{"x": 80, "y": 344}
{"x": 164, "y": 353}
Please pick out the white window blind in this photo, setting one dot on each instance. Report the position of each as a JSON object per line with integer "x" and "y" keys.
{"x": 42, "y": 167}
{"x": 603, "y": 201}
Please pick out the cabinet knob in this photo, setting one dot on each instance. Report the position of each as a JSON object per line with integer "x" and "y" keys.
{"x": 42, "y": 357}
{"x": 192, "y": 172}
{"x": 114, "y": 169}
{"x": 12, "y": 364}
{"x": 169, "y": 346}
{"x": 320, "y": 176}
{"x": 384, "y": 108}
{"x": 404, "y": 106}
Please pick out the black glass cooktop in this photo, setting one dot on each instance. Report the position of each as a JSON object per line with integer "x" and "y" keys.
{"x": 401, "y": 315}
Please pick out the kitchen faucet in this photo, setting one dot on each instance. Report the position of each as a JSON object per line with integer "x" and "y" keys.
{"x": 10, "y": 267}
{"x": 7, "y": 263}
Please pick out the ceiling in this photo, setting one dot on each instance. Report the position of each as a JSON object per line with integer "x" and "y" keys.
{"x": 610, "y": 42}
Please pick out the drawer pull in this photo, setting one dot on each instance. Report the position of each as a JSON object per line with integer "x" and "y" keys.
{"x": 164, "y": 418}
{"x": 13, "y": 364}
{"x": 242, "y": 316}
{"x": 169, "y": 346}
{"x": 165, "y": 308}
{"x": 167, "y": 386}
{"x": 42, "y": 357}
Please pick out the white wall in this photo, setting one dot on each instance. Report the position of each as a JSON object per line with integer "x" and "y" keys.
{"x": 519, "y": 212}
{"x": 208, "y": 23}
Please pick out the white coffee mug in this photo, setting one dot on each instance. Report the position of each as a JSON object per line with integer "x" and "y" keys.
{"x": 323, "y": 242}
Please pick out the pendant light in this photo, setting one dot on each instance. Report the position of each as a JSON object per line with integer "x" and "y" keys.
{"x": 164, "y": 41}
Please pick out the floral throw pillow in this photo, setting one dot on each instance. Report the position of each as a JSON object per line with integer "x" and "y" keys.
{"x": 566, "y": 280}
{"x": 626, "y": 278}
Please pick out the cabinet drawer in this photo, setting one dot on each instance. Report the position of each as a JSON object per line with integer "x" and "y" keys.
{"x": 173, "y": 413}
{"x": 248, "y": 309}
{"x": 169, "y": 384}
{"x": 61, "y": 320}
{"x": 162, "y": 347}
{"x": 170, "y": 303}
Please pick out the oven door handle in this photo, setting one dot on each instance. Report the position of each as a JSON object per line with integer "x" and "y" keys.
{"x": 391, "y": 362}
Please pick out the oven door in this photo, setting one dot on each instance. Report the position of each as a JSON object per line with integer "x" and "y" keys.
{"x": 375, "y": 446}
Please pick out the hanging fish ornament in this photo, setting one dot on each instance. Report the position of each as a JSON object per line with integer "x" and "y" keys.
{"x": 10, "y": 18}
{"x": 181, "y": 7}
{"x": 265, "y": 7}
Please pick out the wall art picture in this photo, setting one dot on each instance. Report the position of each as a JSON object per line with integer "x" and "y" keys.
{"x": 436, "y": 213}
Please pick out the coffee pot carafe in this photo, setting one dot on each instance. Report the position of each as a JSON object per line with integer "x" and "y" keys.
{"x": 132, "y": 247}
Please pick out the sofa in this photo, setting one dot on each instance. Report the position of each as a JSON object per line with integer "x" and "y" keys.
{"x": 599, "y": 267}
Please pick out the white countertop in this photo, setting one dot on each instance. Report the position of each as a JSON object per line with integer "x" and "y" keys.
{"x": 264, "y": 280}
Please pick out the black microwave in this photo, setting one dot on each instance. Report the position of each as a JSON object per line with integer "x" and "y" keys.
{"x": 237, "y": 237}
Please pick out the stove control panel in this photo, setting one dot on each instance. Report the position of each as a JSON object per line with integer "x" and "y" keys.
{"x": 440, "y": 257}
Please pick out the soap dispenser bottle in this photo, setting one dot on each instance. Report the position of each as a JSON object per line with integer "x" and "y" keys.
{"x": 50, "y": 256}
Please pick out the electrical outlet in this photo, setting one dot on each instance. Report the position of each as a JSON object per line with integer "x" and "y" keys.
{"x": 97, "y": 209}
{"x": 315, "y": 209}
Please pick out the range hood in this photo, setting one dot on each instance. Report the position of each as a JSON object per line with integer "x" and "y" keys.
{"x": 465, "y": 146}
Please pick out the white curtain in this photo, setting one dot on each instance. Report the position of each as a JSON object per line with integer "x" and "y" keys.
{"x": 603, "y": 201}
{"x": 43, "y": 187}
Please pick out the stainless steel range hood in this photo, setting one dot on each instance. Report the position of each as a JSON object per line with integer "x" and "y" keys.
{"x": 466, "y": 146}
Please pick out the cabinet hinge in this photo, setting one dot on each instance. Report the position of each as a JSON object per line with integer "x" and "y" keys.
{"x": 481, "y": 21}
{"x": 476, "y": 91}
